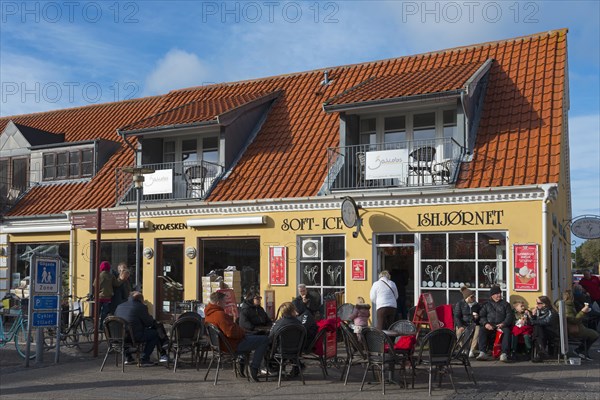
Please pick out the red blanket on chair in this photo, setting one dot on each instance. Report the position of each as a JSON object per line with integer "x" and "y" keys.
{"x": 329, "y": 325}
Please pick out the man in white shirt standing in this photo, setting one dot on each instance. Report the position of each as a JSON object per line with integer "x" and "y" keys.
{"x": 384, "y": 294}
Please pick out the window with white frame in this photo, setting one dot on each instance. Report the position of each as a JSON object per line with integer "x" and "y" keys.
{"x": 321, "y": 265}
{"x": 449, "y": 261}
{"x": 436, "y": 128}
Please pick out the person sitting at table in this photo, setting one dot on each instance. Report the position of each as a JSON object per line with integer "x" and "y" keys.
{"x": 466, "y": 312}
{"x": 577, "y": 329}
{"x": 145, "y": 328}
{"x": 360, "y": 316}
{"x": 308, "y": 300}
{"x": 289, "y": 316}
{"x": 252, "y": 315}
{"x": 239, "y": 340}
{"x": 496, "y": 314}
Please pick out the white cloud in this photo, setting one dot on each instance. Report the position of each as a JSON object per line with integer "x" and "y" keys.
{"x": 177, "y": 69}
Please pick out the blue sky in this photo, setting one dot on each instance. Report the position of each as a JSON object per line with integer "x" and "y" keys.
{"x": 68, "y": 53}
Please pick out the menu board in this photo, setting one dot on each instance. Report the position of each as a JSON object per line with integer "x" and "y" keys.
{"x": 278, "y": 265}
{"x": 425, "y": 313}
{"x": 526, "y": 267}
{"x": 331, "y": 343}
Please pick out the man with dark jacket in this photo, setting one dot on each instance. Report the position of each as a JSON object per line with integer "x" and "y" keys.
{"x": 252, "y": 315}
{"x": 308, "y": 300}
{"x": 496, "y": 314}
{"x": 466, "y": 312}
{"x": 235, "y": 334}
{"x": 144, "y": 327}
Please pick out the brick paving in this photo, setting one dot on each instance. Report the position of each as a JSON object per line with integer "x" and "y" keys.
{"x": 78, "y": 377}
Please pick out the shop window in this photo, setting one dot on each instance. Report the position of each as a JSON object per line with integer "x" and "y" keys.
{"x": 21, "y": 259}
{"x": 322, "y": 264}
{"x": 116, "y": 252}
{"x": 243, "y": 254}
{"x": 475, "y": 259}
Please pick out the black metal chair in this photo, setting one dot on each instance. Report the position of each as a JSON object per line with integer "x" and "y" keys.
{"x": 404, "y": 327}
{"x": 222, "y": 352}
{"x": 380, "y": 352}
{"x": 120, "y": 340}
{"x": 355, "y": 354}
{"x": 185, "y": 336}
{"x": 439, "y": 344}
{"x": 460, "y": 353}
{"x": 287, "y": 347}
{"x": 344, "y": 311}
{"x": 422, "y": 160}
{"x": 318, "y": 354}
{"x": 195, "y": 177}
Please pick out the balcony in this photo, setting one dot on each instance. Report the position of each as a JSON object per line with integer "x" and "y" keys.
{"x": 407, "y": 164}
{"x": 170, "y": 181}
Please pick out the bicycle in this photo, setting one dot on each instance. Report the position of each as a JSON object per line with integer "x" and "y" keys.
{"x": 79, "y": 333}
{"x": 18, "y": 329}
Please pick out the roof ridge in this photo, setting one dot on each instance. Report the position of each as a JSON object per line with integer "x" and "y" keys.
{"x": 38, "y": 113}
{"x": 368, "y": 63}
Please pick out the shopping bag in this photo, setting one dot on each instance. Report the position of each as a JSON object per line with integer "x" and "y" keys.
{"x": 497, "y": 350}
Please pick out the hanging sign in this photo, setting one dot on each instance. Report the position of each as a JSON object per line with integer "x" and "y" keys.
{"x": 526, "y": 267}
{"x": 359, "y": 269}
{"x": 278, "y": 265}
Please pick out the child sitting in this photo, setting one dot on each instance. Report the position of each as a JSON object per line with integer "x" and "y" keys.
{"x": 360, "y": 315}
{"x": 522, "y": 327}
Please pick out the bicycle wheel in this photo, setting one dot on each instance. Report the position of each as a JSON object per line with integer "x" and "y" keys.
{"x": 84, "y": 331}
{"x": 50, "y": 338}
{"x": 21, "y": 341}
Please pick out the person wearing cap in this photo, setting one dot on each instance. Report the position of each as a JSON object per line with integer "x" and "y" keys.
{"x": 252, "y": 315}
{"x": 496, "y": 314}
{"x": 466, "y": 312}
{"x": 238, "y": 339}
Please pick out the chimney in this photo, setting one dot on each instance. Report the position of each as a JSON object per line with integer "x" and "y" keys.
{"x": 325, "y": 80}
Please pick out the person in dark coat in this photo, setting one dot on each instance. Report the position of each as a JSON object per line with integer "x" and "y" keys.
{"x": 144, "y": 327}
{"x": 308, "y": 300}
{"x": 121, "y": 293}
{"x": 466, "y": 312}
{"x": 545, "y": 323}
{"x": 252, "y": 315}
{"x": 495, "y": 315}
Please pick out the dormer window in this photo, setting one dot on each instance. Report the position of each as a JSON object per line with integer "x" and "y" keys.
{"x": 72, "y": 164}
{"x": 430, "y": 127}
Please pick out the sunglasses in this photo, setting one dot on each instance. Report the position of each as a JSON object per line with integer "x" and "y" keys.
{"x": 538, "y": 302}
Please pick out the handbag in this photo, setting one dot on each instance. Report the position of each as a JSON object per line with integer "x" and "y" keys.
{"x": 497, "y": 349}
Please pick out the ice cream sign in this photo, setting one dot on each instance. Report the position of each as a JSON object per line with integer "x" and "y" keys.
{"x": 526, "y": 267}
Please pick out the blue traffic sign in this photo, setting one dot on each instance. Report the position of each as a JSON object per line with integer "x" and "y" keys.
{"x": 45, "y": 302}
{"x": 44, "y": 319}
{"x": 47, "y": 274}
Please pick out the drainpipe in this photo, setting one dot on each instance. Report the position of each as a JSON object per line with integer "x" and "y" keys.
{"x": 128, "y": 144}
{"x": 550, "y": 194}
{"x": 72, "y": 255}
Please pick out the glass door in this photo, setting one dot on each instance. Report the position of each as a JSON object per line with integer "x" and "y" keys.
{"x": 169, "y": 278}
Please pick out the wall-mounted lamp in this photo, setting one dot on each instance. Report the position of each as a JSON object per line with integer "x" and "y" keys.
{"x": 190, "y": 252}
{"x": 148, "y": 253}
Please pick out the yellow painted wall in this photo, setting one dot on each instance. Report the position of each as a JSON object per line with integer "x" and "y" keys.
{"x": 522, "y": 221}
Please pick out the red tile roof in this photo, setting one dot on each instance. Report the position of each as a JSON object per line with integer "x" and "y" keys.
{"x": 445, "y": 79}
{"x": 194, "y": 112}
{"x": 519, "y": 140}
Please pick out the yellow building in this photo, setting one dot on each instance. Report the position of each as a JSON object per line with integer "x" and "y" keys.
{"x": 447, "y": 169}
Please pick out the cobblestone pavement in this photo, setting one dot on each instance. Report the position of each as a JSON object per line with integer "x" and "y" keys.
{"x": 77, "y": 377}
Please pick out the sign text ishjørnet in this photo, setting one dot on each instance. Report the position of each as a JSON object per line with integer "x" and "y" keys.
{"x": 492, "y": 217}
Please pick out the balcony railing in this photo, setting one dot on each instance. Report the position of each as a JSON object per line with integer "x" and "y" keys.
{"x": 394, "y": 165}
{"x": 170, "y": 181}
